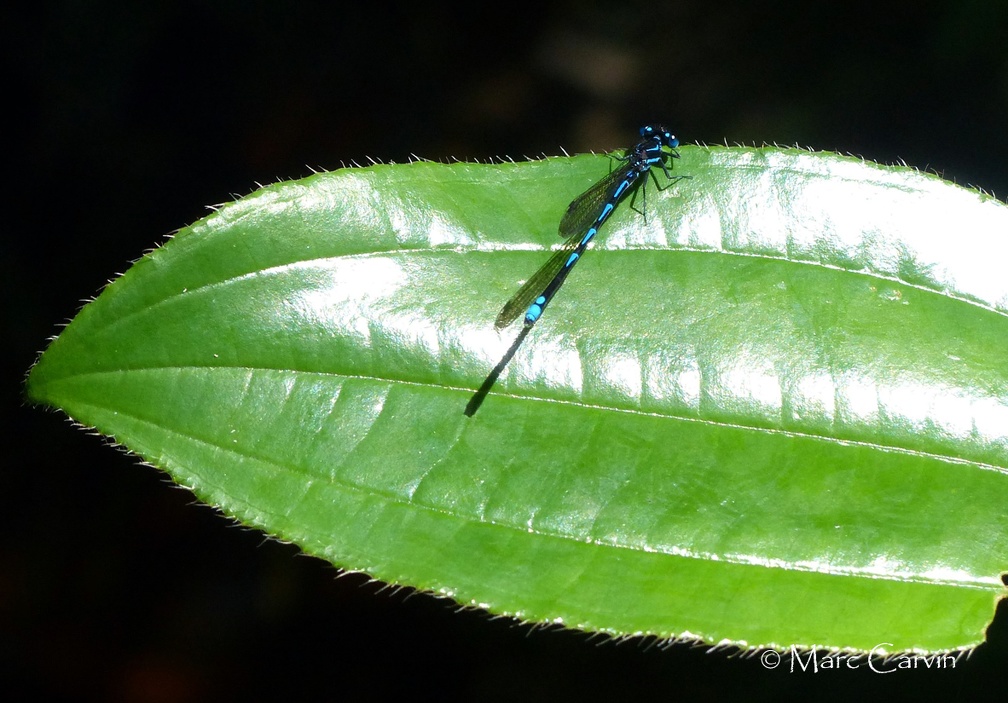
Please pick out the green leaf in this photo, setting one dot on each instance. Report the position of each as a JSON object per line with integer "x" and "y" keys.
{"x": 773, "y": 411}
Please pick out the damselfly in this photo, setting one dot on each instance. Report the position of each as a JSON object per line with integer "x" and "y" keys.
{"x": 579, "y": 225}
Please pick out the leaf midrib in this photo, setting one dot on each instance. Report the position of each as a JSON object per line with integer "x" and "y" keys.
{"x": 790, "y": 434}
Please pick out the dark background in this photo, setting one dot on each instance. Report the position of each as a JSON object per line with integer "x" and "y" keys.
{"x": 125, "y": 119}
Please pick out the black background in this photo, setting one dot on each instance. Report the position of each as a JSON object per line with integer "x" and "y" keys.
{"x": 125, "y": 119}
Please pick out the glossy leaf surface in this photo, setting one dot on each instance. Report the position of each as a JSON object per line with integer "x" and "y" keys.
{"x": 773, "y": 411}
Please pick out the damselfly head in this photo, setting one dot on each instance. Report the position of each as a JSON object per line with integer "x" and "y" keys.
{"x": 664, "y": 136}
